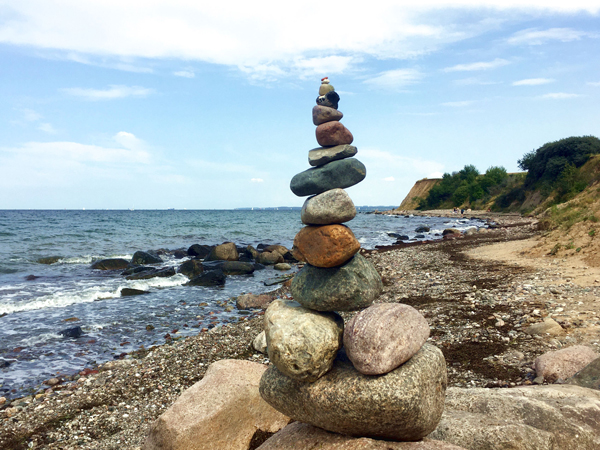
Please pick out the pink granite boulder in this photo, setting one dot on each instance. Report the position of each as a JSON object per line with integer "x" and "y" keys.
{"x": 564, "y": 363}
{"x": 333, "y": 133}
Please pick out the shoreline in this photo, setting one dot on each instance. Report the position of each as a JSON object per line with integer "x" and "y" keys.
{"x": 471, "y": 305}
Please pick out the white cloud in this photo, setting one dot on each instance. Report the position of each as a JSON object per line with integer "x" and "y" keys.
{"x": 257, "y": 180}
{"x": 394, "y": 79}
{"x": 435, "y": 175}
{"x": 184, "y": 74}
{"x": 113, "y": 92}
{"x": 533, "y": 81}
{"x": 593, "y": 83}
{"x": 533, "y": 36}
{"x": 460, "y": 104}
{"x": 48, "y": 128}
{"x": 129, "y": 141}
{"x": 384, "y": 162}
{"x": 559, "y": 96}
{"x": 482, "y": 65}
{"x": 389, "y": 179}
{"x": 30, "y": 115}
{"x": 473, "y": 81}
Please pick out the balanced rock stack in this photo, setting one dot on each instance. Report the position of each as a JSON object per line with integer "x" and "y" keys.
{"x": 376, "y": 377}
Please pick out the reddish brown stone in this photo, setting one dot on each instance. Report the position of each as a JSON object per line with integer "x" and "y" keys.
{"x": 325, "y": 246}
{"x": 333, "y": 133}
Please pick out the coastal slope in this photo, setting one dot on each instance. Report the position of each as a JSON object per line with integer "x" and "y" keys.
{"x": 418, "y": 191}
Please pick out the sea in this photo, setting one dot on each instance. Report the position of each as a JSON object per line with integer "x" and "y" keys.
{"x": 37, "y": 300}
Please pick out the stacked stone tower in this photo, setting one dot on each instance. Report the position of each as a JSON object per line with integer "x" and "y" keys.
{"x": 377, "y": 377}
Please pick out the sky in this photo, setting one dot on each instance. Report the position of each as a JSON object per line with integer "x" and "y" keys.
{"x": 158, "y": 104}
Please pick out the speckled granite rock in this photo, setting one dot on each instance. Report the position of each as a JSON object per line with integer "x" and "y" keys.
{"x": 349, "y": 287}
{"x": 405, "y": 404}
{"x": 302, "y": 343}
{"x": 588, "y": 377}
{"x": 324, "y": 114}
{"x": 383, "y": 336}
{"x": 336, "y": 174}
{"x": 334, "y": 206}
{"x": 333, "y": 133}
{"x": 564, "y": 363}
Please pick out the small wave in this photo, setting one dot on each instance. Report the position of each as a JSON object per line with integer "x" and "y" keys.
{"x": 44, "y": 337}
{"x": 175, "y": 280}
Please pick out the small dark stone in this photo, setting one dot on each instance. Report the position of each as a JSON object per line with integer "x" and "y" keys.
{"x": 49, "y": 259}
{"x": 74, "y": 332}
{"x": 141, "y": 258}
{"x": 244, "y": 258}
{"x": 420, "y": 236}
{"x": 110, "y": 264}
{"x": 330, "y": 99}
{"x": 31, "y": 277}
{"x": 149, "y": 327}
{"x": 179, "y": 254}
{"x": 153, "y": 273}
{"x": 191, "y": 268}
{"x": 422, "y": 229}
{"x": 128, "y": 292}
{"x": 4, "y": 363}
{"x": 136, "y": 269}
{"x": 208, "y": 278}
{"x": 199, "y": 251}
{"x": 230, "y": 267}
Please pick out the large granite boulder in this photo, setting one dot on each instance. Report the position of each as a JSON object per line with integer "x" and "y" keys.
{"x": 334, "y": 206}
{"x": 224, "y": 252}
{"x": 564, "y": 363}
{"x": 553, "y": 417}
{"x": 222, "y": 411}
{"x": 301, "y": 436}
{"x": 140, "y": 258}
{"x": 191, "y": 268}
{"x": 302, "y": 343}
{"x": 333, "y": 133}
{"x": 199, "y": 251}
{"x": 588, "y": 377}
{"x": 326, "y": 245}
{"x": 323, "y": 114}
{"x": 336, "y": 174}
{"x": 404, "y": 405}
{"x": 323, "y": 155}
{"x": 383, "y": 336}
{"x": 351, "y": 286}
{"x": 111, "y": 264}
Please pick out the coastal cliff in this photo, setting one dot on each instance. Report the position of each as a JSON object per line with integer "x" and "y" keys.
{"x": 418, "y": 191}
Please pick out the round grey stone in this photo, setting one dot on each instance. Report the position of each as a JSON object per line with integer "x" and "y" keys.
{"x": 403, "y": 405}
{"x": 322, "y": 155}
{"x": 334, "y": 206}
{"x": 351, "y": 286}
{"x": 336, "y": 174}
{"x": 323, "y": 114}
{"x": 302, "y": 343}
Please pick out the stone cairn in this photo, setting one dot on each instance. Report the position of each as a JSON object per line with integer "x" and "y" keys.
{"x": 376, "y": 377}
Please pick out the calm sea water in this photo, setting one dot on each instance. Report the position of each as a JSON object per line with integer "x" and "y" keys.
{"x": 68, "y": 293}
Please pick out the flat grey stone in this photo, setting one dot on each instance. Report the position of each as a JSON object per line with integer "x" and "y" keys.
{"x": 351, "y": 286}
{"x": 333, "y": 206}
{"x": 323, "y": 155}
{"x": 404, "y": 405}
{"x": 336, "y": 174}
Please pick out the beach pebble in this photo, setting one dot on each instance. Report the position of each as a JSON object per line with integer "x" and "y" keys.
{"x": 336, "y": 174}
{"x": 282, "y": 266}
{"x": 330, "y": 207}
{"x": 260, "y": 342}
{"x": 383, "y": 336}
{"x": 333, "y": 133}
{"x": 247, "y": 301}
{"x": 564, "y": 363}
{"x": 548, "y": 326}
{"x": 326, "y": 245}
{"x": 348, "y": 287}
{"x": 224, "y": 252}
{"x": 322, "y": 155}
{"x": 325, "y": 86}
{"x": 302, "y": 343}
{"x": 405, "y": 404}
{"x": 52, "y": 382}
{"x": 324, "y": 114}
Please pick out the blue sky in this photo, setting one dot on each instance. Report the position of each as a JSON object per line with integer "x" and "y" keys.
{"x": 196, "y": 104}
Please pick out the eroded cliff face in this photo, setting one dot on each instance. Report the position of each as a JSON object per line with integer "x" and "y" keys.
{"x": 418, "y": 191}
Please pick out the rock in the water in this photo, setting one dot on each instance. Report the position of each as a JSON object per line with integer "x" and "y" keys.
{"x": 230, "y": 267}
{"x": 324, "y": 114}
{"x": 74, "y": 332}
{"x": 302, "y": 343}
{"x": 199, "y": 251}
{"x": 422, "y": 229}
{"x": 383, "y": 336}
{"x": 334, "y": 206}
{"x": 260, "y": 342}
{"x": 588, "y": 377}
{"x": 336, "y": 174}
{"x": 49, "y": 260}
{"x": 269, "y": 258}
{"x": 140, "y": 258}
{"x": 333, "y": 133}
{"x": 564, "y": 363}
{"x": 330, "y": 99}
{"x": 208, "y": 278}
{"x": 191, "y": 268}
{"x": 152, "y": 273}
{"x": 111, "y": 264}
{"x": 221, "y": 411}
{"x": 282, "y": 266}
{"x": 301, "y": 436}
{"x": 523, "y": 418}
{"x": 247, "y": 301}
{"x": 349, "y": 287}
{"x": 323, "y": 155}
{"x": 224, "y": 252}
{"x": 405, "y": 404}
{"x": 128, "y": 292}
{"x": 282, "y": 250}
{"x": 548, "y": 326}
{"x": 326, "y": 245}
{"x": 251, "y": 252}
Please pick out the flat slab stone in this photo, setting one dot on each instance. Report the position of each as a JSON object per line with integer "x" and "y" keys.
{"x": 403, "y": 405}
{"x": 325, "y": 245}
{"x": 333, "y": 133}
{"x": 323, "y": 114}
{"x": 383, "y": 336}
{"x": 302, "y": 343}
{"x": 336, "y": 174}
{"x": 322, "y": 155}
{"x": 348, "y": 287}
{"x": 334, "y": 206}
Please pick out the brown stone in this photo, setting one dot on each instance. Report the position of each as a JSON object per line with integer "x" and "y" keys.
{"x": 223, "y": 410}
{"x": 247, "y": 301}
{"x": 325, "y": 246}
{"x": 224, "y": 252}
{"x": 548, "y": 326}
{"x": 323, "y": 114}
{"x": 301, "y": 436}
{"x": 333, "y": 133}
{"x": 383, "y": 336}
{"x": 564, "y": 363}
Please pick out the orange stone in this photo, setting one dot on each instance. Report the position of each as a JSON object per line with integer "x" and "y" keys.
{"x": 325, "y": 246}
